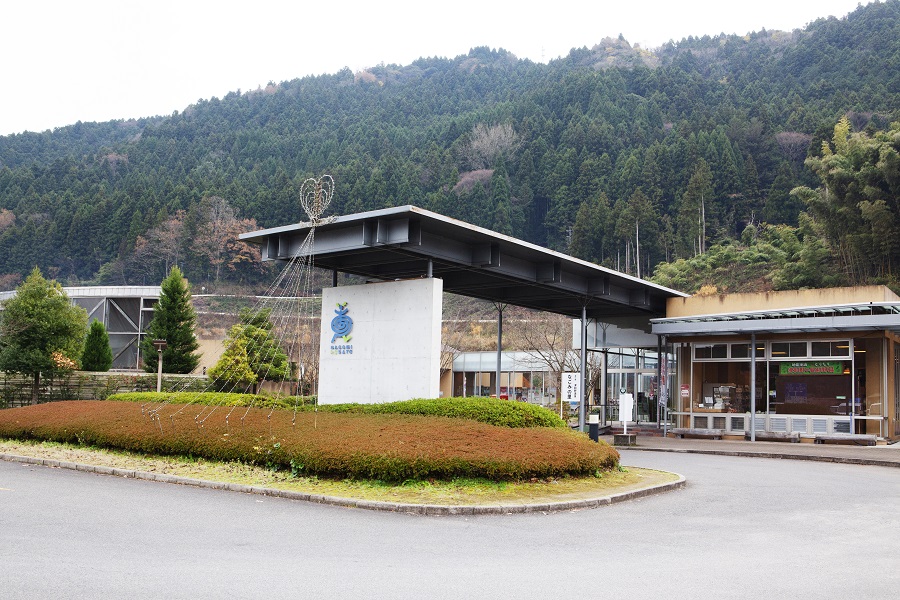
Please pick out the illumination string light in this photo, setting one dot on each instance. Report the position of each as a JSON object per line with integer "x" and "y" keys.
{"x": 287, "y": 302}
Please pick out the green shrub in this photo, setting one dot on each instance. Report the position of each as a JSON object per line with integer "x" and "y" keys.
{"x": 365, "y": 446}
{"x": 214, "y": 399}
{"x": 504, "y": 413}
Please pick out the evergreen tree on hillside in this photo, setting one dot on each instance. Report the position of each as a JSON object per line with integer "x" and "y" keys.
{"x": 173, "y": 321}
{"x": 591, "y": 231}
{"x": 96, "y": 201}
{"x": 692, "y": 219}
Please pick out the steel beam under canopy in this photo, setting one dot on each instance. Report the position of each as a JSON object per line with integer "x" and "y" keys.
{"x": 401, "y": 243}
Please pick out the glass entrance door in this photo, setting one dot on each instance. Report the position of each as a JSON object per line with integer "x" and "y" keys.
{"x": 646, "y": 397}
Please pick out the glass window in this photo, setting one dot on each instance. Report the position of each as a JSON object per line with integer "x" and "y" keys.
{"x": 740, "y": 350}
{"x": 743, "y": 350}
{"x": 789, "y": 349}
{"x": 821, "y": 349}
{"x": 711, "y": 351}
{"x": 840, "y": 348}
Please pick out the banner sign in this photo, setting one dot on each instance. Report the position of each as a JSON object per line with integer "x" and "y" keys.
{"x": 570, "y": 387}
{"x": 810, "y": 368}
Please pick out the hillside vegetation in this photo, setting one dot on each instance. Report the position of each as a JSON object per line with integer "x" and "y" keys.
{"x": 625, "y": 156}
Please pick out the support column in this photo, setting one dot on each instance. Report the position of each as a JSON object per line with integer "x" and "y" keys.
{"x": 583, "y": 377}
{"x": 500, "y": 308}
{"x": 659, "y": 379}
{"x": 334, "y": 278}
{"x": 604, "y": 386}
{"x": 752, "y": 387}
{"x": 852, "y": 385}
{"x": 664, "y": 386}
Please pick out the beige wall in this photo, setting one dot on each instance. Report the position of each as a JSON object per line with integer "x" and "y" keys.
{"x": 732, "y": 303}
{"x": 446, "y": 383}
{"x": 210, "y": 351}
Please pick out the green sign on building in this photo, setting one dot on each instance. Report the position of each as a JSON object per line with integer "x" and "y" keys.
{"x": 810, "y": 368}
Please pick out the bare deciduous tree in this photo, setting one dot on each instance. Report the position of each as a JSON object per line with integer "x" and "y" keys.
{"x": 217, "y": 233}
{"x": 7, "y": 219}
{"x": 162, "y": 244}
{"x": 486, "y": 143}
{"x": 547, "y": 337}
{"x": 794, "y": 145}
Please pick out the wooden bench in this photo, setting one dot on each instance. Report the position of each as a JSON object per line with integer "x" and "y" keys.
{"x": 712, "y": 434}
{"x": 860, "y": 439}
{"x": 775, "y": 436}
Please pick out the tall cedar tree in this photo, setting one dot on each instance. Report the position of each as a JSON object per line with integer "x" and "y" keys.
{"x": 36, "y": 323}
{"x": 173, "y": 321}
{"x": 97, "y": 355}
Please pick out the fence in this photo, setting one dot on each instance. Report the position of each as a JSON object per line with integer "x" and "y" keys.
{"x": 16, "y": 389}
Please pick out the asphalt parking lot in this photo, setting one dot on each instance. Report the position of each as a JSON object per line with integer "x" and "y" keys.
{"x": 742, "y": 527}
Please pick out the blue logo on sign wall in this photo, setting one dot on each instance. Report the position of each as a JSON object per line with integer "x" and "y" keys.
{"x": 341, "y": 325}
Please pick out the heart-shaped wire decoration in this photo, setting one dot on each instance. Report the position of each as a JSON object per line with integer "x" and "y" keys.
{"x": 315, "y": 196}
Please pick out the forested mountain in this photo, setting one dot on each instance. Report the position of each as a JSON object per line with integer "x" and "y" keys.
{"x": 617, "y": 154}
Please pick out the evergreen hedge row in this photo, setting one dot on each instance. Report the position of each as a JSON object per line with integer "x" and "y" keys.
{"x": 339, "y": 445}
{"x": 492, "y": 411}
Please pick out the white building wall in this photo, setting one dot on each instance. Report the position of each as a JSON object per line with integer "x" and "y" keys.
{"x": 394, "y": 349}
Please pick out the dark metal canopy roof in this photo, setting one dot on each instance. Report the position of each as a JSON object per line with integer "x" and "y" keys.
{"x": 868, "y": 316}
{"x": 398, "y": 243}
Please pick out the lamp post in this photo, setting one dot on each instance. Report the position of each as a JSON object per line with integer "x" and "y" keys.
{"x": 160, "y": 345}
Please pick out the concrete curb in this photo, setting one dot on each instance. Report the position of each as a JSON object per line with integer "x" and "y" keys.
{"x": 847, "y": 460}
{"x": 417, "y": 509}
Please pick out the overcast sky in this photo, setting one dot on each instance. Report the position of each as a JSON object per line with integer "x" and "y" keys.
{"x": 97, "y": 60}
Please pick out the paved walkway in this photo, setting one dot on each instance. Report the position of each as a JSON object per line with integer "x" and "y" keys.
{"x": 888, "y": 455}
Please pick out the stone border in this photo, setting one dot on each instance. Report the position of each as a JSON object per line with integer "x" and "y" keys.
{"x": 846, "y": 460}
{"x": 408, "y": 508}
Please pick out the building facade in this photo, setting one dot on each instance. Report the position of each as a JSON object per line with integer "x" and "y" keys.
{"x": 808, "y": 362}
{"x": 125, "y": 311}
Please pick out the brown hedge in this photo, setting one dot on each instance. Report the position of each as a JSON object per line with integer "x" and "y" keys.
{"x": 365, "y": 446}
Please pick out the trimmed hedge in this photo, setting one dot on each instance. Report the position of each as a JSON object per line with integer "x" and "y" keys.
{"x": 503, "y": 413}
{"x": 340, "y": 445}
{"x": 214, "y": 399}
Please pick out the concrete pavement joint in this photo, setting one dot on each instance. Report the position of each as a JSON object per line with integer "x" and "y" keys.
{"x": 418, "y": 509}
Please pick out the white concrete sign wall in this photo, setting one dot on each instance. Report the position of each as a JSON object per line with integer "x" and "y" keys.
{"x": 380, "y": 342}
